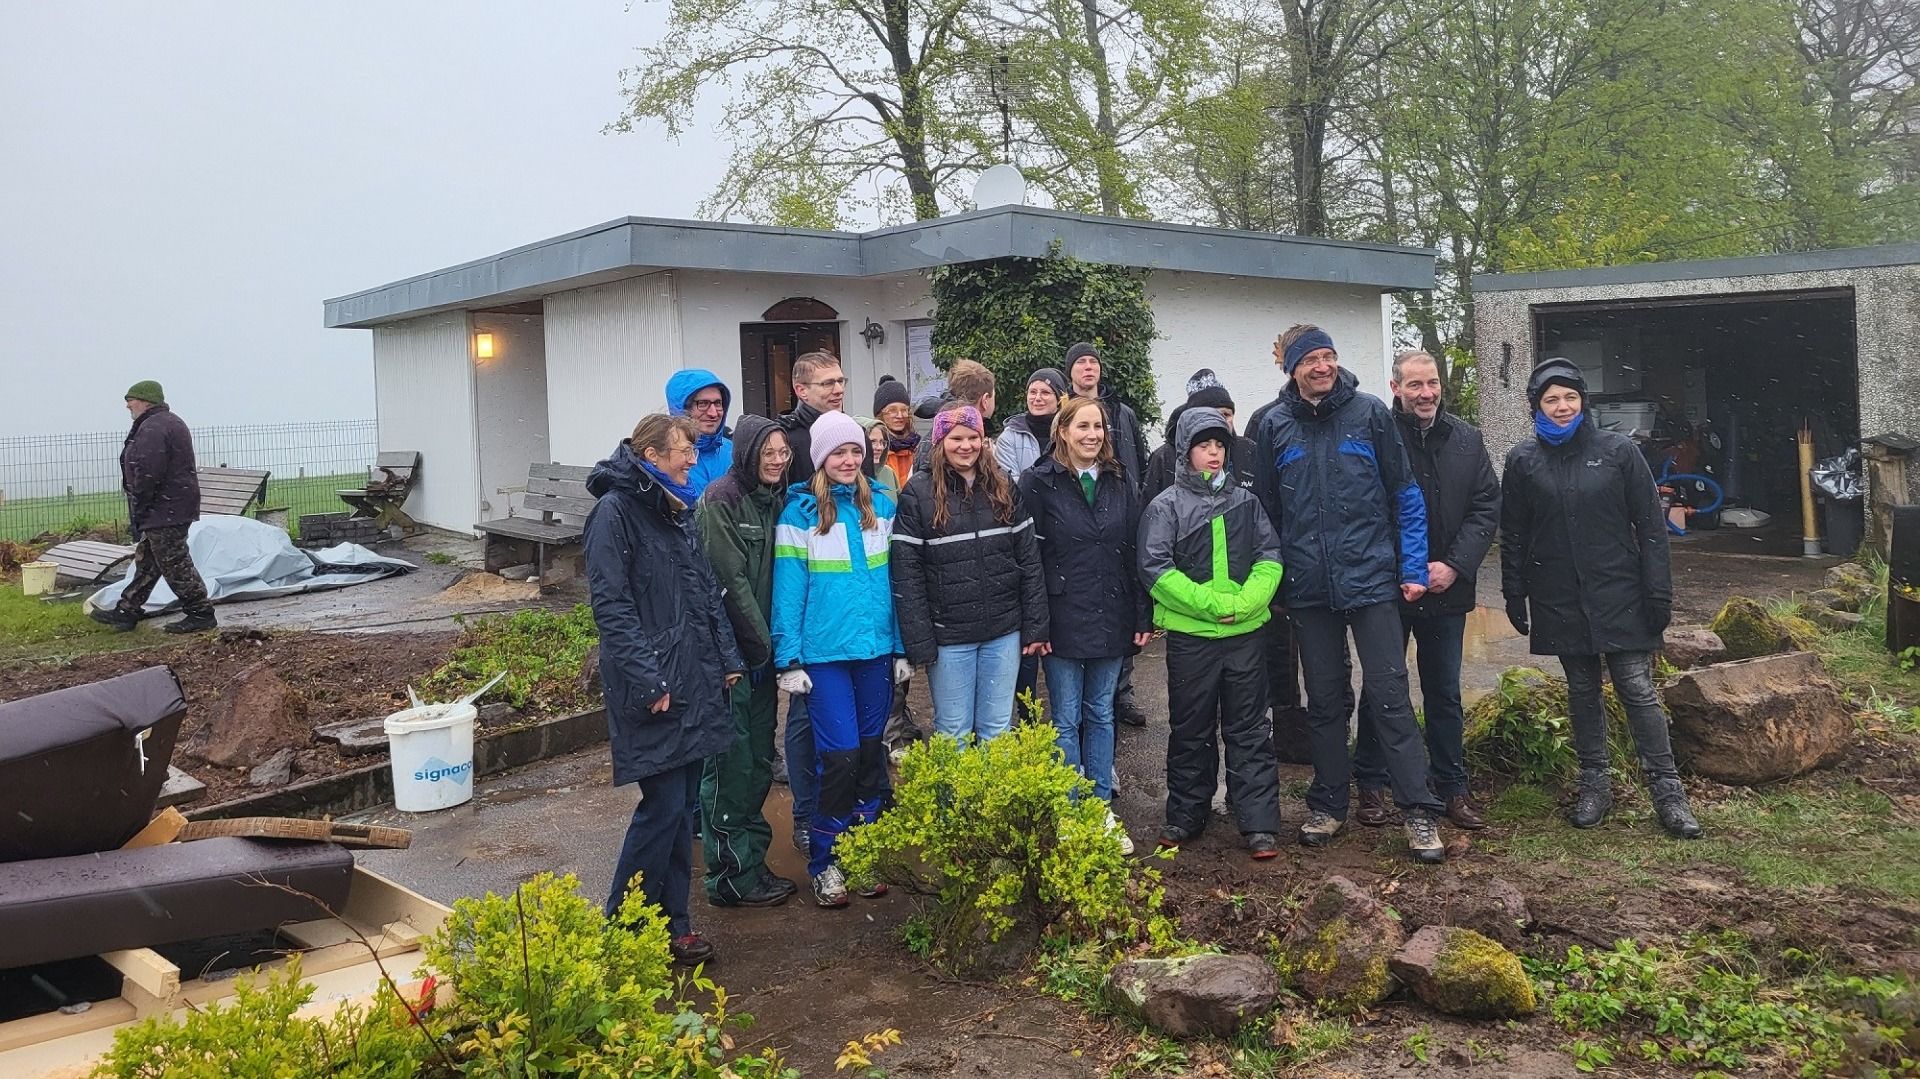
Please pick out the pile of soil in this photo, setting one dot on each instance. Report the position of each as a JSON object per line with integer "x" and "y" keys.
{"x": 340, "y": 677}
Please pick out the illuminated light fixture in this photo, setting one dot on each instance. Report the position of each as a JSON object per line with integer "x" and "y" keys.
{"x": 483, "y": 346}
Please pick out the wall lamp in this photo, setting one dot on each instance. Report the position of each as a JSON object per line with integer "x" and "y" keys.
{"x": 873, "y": 333}
{"x": 483, "y": 346}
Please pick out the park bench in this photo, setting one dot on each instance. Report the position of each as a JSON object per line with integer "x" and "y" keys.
{"x": 551, "y": 490}
{"x": 223, "y": 492}
{"x": 384, "y": 498}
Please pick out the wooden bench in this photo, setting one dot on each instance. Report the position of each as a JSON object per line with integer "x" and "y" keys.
{"x": 230, "y": 491}
{"x": 384, "y": 498}
{"x": 551, "y": 490}
{"x": 86, "y": 560}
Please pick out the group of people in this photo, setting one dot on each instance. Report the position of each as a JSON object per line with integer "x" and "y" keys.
{"x": 831, "y": 557}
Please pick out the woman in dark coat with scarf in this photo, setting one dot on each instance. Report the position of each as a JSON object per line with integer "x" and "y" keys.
{"x": 1086, "y": 520}
{"x": 667, "y": 659}
{"x": 1583, "y": 566}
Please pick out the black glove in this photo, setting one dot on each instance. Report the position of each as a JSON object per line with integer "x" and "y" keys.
{"x": 1517, "y": 613}
{"x": 1659, "y": 616}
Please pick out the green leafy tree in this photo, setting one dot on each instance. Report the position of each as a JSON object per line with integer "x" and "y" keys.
{"x": 1016, "y": 315}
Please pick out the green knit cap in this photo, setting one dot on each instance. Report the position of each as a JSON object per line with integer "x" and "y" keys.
{"x": 146, "y": 390}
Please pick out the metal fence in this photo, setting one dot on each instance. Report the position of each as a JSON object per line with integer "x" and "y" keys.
{"x": 71, "y": 483}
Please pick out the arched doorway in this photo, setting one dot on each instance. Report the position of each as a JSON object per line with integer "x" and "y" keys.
{"x": 789, "y": 329}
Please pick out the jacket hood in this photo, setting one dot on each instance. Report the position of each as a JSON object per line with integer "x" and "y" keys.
{"x": 1195, "y": 422}
{"x": 688, "y": 381}
{"x": 748, "y": 440}
{"x": 1345, "y": 385}
{"x": 1554, "y": 369}
{"x": 621, "y": 471}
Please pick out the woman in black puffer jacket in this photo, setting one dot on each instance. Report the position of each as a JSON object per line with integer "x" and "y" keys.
{"x": 966, "y": 579}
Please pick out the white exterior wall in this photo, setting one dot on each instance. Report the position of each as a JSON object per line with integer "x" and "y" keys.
{"x": 1231, "y": 323}
{"x": 713, "y": 306}
{"x": 609, "y": 351}
{"x": 424, "y": 395}
{"x": 510, "y": 405}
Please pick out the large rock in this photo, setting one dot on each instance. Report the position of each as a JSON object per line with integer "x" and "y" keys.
{"x": 1692, "y": 646}
{"x": 1833, "y": 599}
{"x": 1492, "y": 907}
{"x": 1852, "y": 579}
{"x": 1758, "y": 720}
{"x": 1337, "y": 949}
{"x": 1460, "y": 972}
{"x": 1748, "y": 631}
{"x": 1195, "y": 995}
{"x": 256, "y": 716}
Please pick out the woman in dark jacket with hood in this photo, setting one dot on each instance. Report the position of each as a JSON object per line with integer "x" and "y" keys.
{"x": 1583, "y": 566}
{"x": 1086, "y": 519}
{"x": 667, "y": 658}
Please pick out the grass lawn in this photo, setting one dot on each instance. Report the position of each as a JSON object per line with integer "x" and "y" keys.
{"x": 31, "y": 629}
{"x": 29, "y": 517}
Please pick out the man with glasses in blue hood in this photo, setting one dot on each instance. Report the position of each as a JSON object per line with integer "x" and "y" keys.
{"x": 699, "y": 395}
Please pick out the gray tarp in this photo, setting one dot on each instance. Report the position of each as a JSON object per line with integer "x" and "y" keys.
{"x": 240, "y": 559}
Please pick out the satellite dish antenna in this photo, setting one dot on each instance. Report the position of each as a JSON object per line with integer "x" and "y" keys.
{"x": 1001, "y": 185}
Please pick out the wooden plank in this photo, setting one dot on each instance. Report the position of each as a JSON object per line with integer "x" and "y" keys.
{"x": 557, "y": 471}
{"x": 524, "y": 529}
{"x": 147, "y": 969}
{"x": 35, "y": 1029}
{"x": 540, "y": 485}
{"x": 398, "y": 459}
{"x": 161, "y": 830}
{"x": 579, "y": 507}
{"x": 376, "y": 900}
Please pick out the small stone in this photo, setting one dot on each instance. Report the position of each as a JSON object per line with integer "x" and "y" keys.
{"x": 1692, "y": 646}
{"x": 179, "y": 789}
{"x": 1758, "y": 720}
{"x": 1494, "y": 908}
{"x": 496, "y": 713}
{"x": 276, "y": 771}
{"x": 590, "y": 671}
{"x": 520, "y": 572}
{"x": 1748, "y": 631}
{"x": 1838, "y": 621}
{"x": 1852, "y": 578}
{"x": 356, "y": 737}
{"x": 1835, "y": 600}
{"x": 1338, "y": 946}
{"x": 1459, "y": 972}
{"x": 1196, "y": 995}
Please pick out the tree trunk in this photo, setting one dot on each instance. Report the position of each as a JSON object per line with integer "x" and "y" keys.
{"x": 910, "y": 133}
{"x": 1106, "y": 157}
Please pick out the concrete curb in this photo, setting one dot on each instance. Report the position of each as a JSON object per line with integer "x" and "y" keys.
{"x": 372, "y": 786}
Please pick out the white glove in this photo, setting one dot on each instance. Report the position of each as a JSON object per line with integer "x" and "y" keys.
{"x": 902, "y": 670}
{"x": 795, "y": 682}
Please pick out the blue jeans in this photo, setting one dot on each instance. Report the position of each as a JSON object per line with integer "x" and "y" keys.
{"x": 848, "y": 707}
{"x": 659, "y": 846}
{"x": 1081, "y": 691}
{"x": 1437, "y": 640}
{"x": 802, "y": 784}
{"x": 972, "y": 687}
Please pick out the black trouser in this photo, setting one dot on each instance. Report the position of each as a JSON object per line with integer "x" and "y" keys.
{"x": 1283, "y": 661}
{"x": 1437, "y": 646}
{"x": 1321, "y": 634}
{"x": 162, "y": 553}
{"x": 1633, "y": 681}
{"x": 659, "y": 846}
{"x": 1219, "y": 685}
{"x": 1028, "y": 685}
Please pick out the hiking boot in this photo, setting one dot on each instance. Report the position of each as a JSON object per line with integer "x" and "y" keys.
{"x": 690, "y": 950}
{"x": 1127, "y": 712}
{"x": 1172, "y": 835}
{"x": 197, "y": 622}
{"x": 1114, "y": 826}
{"x": 1370, "y": 808}
{"x": 1593, "y": 801}
{"x": 1462, "y": 812}
{"x": 803, "y": 838}
{"x": 1320, "y": 829}
{"x": 830, "y": 888}
{"x": 1423, "y": 839}
{"x": 770, "y": 891}
{"x": 1670, "y": 806}
{"x": 115, "y": 617}
{"x": 1263, "y": 845}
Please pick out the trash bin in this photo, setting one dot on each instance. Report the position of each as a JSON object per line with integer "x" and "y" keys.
{"x": 1845, "y": 526}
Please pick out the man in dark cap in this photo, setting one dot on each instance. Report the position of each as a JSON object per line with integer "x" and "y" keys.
{"x": 163, "y": 501}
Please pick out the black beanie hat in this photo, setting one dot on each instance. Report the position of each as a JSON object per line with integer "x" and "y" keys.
{"x": 1079, "y": 349}
{"x": 1205, "y": 391}
{"x": 1554, "y": 371}
{"x": 1055, "y": 381}
{"x": 891, "y": 391}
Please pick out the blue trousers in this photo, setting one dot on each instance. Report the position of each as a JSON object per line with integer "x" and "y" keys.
{"x": 972, "y": 687}
{"x": 1437, "y": 645}
{"x": 659, "y": 846}
{"x": 848, "y": 707}
{"x": 1082, "y": 694}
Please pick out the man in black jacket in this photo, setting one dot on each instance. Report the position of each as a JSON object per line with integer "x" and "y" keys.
{"x": 1450, "y": 463}
{"x": 163, "y": 501}
{"x": 820, "y": 385}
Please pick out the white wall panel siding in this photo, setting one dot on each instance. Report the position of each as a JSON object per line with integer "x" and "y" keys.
{"x": 609, "y": 351}
{"x": 510, "y": 405}
{"x": 713, "y": 305}
{"x": 423, "y": 386}
{"x": 1230, "y": 324}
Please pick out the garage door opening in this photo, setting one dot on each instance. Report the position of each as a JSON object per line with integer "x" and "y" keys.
{"x": 1719, "y": 387}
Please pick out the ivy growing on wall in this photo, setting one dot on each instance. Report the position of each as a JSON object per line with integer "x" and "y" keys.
{"x": 1016, "y": 315}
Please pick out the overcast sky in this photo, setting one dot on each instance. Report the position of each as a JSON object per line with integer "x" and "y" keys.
{"x": 182, "y": 184}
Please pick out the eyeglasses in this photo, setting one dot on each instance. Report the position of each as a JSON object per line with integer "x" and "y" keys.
{"x": 715, "y": 405}
{"x": 782, "y": 454}
{"x": 829, "y": 384}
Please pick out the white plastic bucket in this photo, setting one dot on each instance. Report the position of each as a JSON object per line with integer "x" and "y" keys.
{"x": 432, "y": 751}
{"x": 36, "y": 578}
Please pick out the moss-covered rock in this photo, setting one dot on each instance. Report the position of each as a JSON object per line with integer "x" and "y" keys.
{"x": 1521, "y": 731}
{"x": 1851, "y": 578}
{"x": 1748, "y": 631}
{"x": 1337, "y": 950}
{"x": 1460, "y": 972}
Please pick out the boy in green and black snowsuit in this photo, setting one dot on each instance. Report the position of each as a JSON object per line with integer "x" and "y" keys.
{"x": 736, "y": 516}
{"x": 1211, "y": 561}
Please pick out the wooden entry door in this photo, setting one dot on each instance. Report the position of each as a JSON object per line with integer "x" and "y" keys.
{"x": 767, "y": 352}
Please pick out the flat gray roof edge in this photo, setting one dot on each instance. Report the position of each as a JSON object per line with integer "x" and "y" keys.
{"x": 1650, "y": 273}
{"x": 646, "y": 244}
